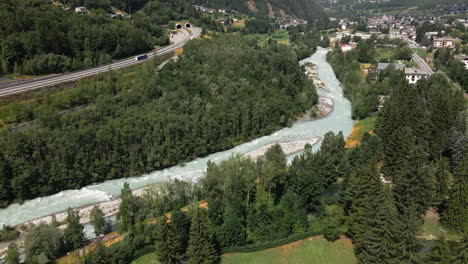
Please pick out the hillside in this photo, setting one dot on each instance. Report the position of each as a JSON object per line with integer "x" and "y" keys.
{"x": 306, "y": 9}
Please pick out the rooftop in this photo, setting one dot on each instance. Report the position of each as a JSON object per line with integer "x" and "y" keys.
{"x": 461, "y": 56}
{"x": 382, "y": 66}
{"x": 414, "y": 71}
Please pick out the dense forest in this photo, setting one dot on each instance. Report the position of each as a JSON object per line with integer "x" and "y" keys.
{"x": 305, "y": 9}
{"x": 39, "y": 38}
{"x": 220, "y": 92}
{"x": 242, "y": 205}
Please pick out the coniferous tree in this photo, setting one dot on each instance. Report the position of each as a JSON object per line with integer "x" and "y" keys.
{"x": 304, "y": 179}
{"x": 168, "y": 247}
{"x": 202, "y": 246}
{"x": 73, "y": 234}
{"x": 181, "y": 223}
{"x": 364, "y": 225}
{"x": 460, "y": 252}
{"x": 455, "y": 215}
{"x": 442, "y": 178}
{"x": 440, "y": 252}
{"x": 411, "y": 220}
{"x": 458, "y": 141}
{"x": 413, "y": 177}
{"x": 330, "y": 158}
{"x": 388, "y": 231}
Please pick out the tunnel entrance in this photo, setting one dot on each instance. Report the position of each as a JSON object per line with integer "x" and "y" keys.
{"x": 188, "y": 25}
{"x": 178, "y": 26}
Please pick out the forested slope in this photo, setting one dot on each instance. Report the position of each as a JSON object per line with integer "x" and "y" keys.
{"x": 221, "y": 92}
{"x": 37, "y": 37}
{"x": 306, "y": 9}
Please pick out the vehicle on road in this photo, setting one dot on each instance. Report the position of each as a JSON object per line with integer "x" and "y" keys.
{"x": 141, "y": 57}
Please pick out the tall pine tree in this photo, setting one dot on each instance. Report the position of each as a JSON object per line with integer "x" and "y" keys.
{"x": 460, "y": 254}
{"x": 442, "y": 178}
{"x": 440, "y": 252}
{"x": 366, "y": 196}
{"x": 168, "y": 247}
{"x": 455, "y": 215}
{"x": 413, "y": 176}
{"x": 202, "y": 245}
{"x": 388, "y": 231}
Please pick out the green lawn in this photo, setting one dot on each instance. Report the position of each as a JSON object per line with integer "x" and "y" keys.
{"x": 281, "y": 36}
{"x": 315, "y": 250}
{"x": 384, "y": 54}
{"x": 420, "y": 52}
{"x": 146, "y": 259}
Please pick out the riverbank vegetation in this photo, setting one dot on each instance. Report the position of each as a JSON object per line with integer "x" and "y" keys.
{"x": 191, "y": 108}
{"x": 247, "y": 206}
{"x": 363, "y": 90}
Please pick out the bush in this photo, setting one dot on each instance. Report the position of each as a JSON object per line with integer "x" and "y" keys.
{"x": 8, "y": 233}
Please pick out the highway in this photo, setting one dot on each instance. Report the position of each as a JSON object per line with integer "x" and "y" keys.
{"x": 179, "y": 40}
{"x": 420, "y": 61}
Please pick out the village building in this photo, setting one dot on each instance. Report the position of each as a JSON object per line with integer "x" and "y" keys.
{"x": 413, "y": 75}
{"x": 383, "y": 66}
{"x": 445, "y": 42}
{"x": 347, "y": 47}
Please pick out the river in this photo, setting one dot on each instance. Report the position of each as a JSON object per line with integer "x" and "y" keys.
{"x": 338, "y": 120}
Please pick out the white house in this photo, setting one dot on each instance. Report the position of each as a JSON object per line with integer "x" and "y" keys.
{"x": 445, "y": 42}
{"x": 346, "y": 47}
{"x": 413, "y": 75}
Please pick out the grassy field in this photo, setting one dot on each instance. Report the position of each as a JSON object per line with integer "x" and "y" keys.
{"x": 281, "y": 36}
{"x": 314, "y": 250}
{"x": 430, "y": 229}
{"x": 384, "y": 54}
{"x": 147, "y": 259}
{"x": 361, "y": 126}
{"x": 421, "y": 52}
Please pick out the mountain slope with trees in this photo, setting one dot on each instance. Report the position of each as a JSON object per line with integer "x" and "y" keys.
{"x": 37, "y": 37}
{"x": 305, "y": 9}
